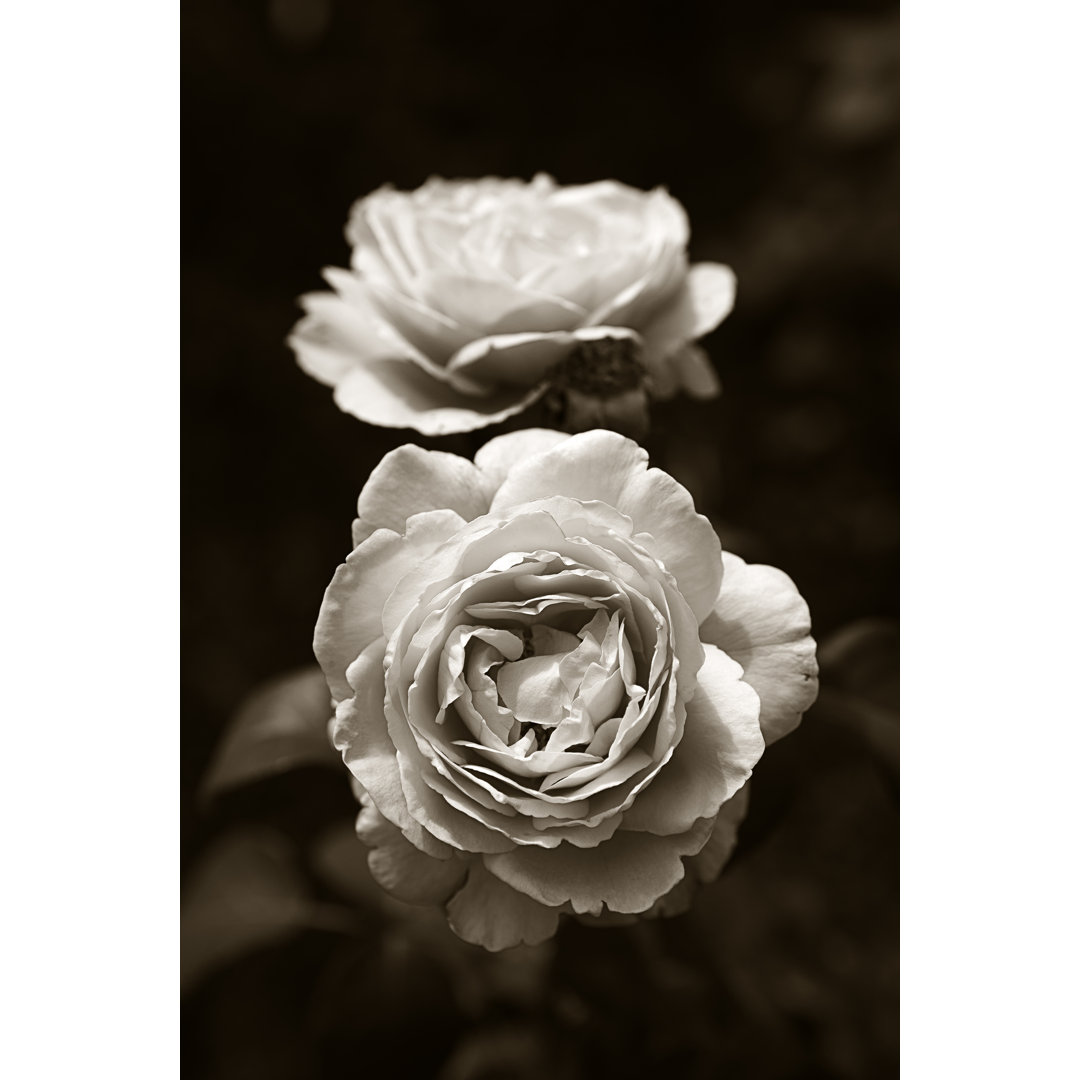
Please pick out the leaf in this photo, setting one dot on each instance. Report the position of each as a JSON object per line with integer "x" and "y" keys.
{"x": 247, "y": 892}
{"x": 860, "y": 686}
{"x": 340, "y": 859}
{"x": 864, "y": 658}
{"x": 281, "y": 726}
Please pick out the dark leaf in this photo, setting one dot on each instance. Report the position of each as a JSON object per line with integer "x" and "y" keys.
{"x": 860, "y": 686}
{"x": 282, "y": 725}
{"x": 247, "y": 892}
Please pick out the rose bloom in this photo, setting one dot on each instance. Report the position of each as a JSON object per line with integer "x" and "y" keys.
{"x": 551, "y": 684}
{"x": 465, "y": 296}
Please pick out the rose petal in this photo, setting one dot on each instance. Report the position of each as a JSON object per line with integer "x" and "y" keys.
{"x": 371, "y": 231}
{"x": 588, "y": 280}
{"x": 610, "y": 468}
{"x": 486, "y": 912}
{"x": 695, "y": 372}
{"x": 405, "y": 872}
{"x": 436, "y": 335}
{"x": 493, "y": 307}
{"x": 358, "y": 730}
{"x": 711, "y": 859}
{"x": 720, "y": 746}
{"x": 531, "y": 689}
{"x": 350, "y": 618}
{"x": 497, "y": 456}
{"x": 701, "y": 304}
{"x": 383, "y": 339}
{"x": 523, "y": 359}
{"x": 635, "y": 305}
{"x": 337, "y": 336}
{"x": 627, "y": 873}
{"x": 409, "y": 481}
{"x": 400, "y": 395}
{"x": 762, "y": 622}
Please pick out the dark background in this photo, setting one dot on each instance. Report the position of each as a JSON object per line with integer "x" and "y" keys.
{"x": 776, "y": 125}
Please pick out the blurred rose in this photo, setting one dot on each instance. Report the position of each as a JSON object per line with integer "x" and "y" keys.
{"x": 551, "y": 684}
{"x": 464, "y": 296}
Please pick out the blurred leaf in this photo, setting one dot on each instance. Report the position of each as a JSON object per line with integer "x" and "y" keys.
{"x": 340, "y": 859}
{"x": 864, "y": 658}
{"x": 477, "y": 978}
{"x": 280, "y": 726}
{"x": 520, "y": 1049}
{"x": 860, "y": 686}
{"x": 246, "y": 892}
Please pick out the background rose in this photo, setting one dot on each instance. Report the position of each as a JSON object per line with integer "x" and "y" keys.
{"x": 463, "y": 294}
{"x": 551, "y": 684}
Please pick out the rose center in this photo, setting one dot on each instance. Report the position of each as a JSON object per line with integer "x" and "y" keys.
{"x": 561, "y": 688}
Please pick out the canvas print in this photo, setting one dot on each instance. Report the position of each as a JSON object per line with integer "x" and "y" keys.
{"x": 541, "y": 641}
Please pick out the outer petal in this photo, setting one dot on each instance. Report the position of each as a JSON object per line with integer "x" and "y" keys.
{"x": 711, "y": 859}
{"x": 393, "y": 393}
{"x": 519, "y": 360}
{"x": 350, "y": 618}
{"x": 383, "y": 338}
{"x": 522, "y": 359}
{"x": 358, "y": 730}
{"x": 701, "y": 304}
{"x": 338, "y": 335}
{"x": 695, "y": 372}
{"x": 762, "y": 622}
{"x": 487, "y": 912}
{"x": 613, "y": 469}
{"x": 627, "y": 873}
{"x": 433, "y": 333}
{"x": 404, "y": 871}
{"x": 499, "y": 455}
{"x": 409, "y": 481}
{"x": 720, "y": 746}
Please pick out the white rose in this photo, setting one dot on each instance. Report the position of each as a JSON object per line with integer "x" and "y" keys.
{"x": 463, "y": 296}
{"x": 551, "y": 685}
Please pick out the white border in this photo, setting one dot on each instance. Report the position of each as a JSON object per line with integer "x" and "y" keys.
{"x": 90, "y": 448}
{"x": 991, "y": 184}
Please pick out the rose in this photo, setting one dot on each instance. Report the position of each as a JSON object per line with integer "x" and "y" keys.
{"x": 551, "y": 684}
{"x": 464, "y": 296}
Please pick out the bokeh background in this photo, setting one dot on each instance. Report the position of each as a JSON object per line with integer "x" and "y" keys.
{"x": 776, "y": 125}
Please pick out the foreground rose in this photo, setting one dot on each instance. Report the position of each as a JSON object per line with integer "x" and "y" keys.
{"x": 551, "y": 684}
{"x": 464, "y": 298}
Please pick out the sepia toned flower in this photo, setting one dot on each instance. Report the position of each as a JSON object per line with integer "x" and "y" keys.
{"x": 464, "y": 297}
{"x": 551, "y": 683}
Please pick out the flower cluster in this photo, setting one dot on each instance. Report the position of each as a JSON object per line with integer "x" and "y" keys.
{"x": 551, "y": 683}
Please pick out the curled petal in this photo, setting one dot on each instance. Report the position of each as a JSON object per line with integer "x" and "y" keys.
{"x": 404, "y": 871}
{"x": 433, "y": 333}
{"x": 704, "y": 300}
{"x": 721, "y": 744}
{"x": 610, "y": 468}
{"x": 398, "y": 394}
{"x": 489, "y": 913}
{"x": 711, "y": 859}
{"x": 331, "y": 340}
{"x": 384, "y": 339}
{"x": 523, "y": 359}
{"x": 762, "y": 622}
{"x": 410, "y": 481}
{"x": 358, "y": 730}
{"x": 627, "y": 873}
{"x": 497, "y": 456}
{"x": 350, "y": 618}
{"x": 695, "y": 373}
